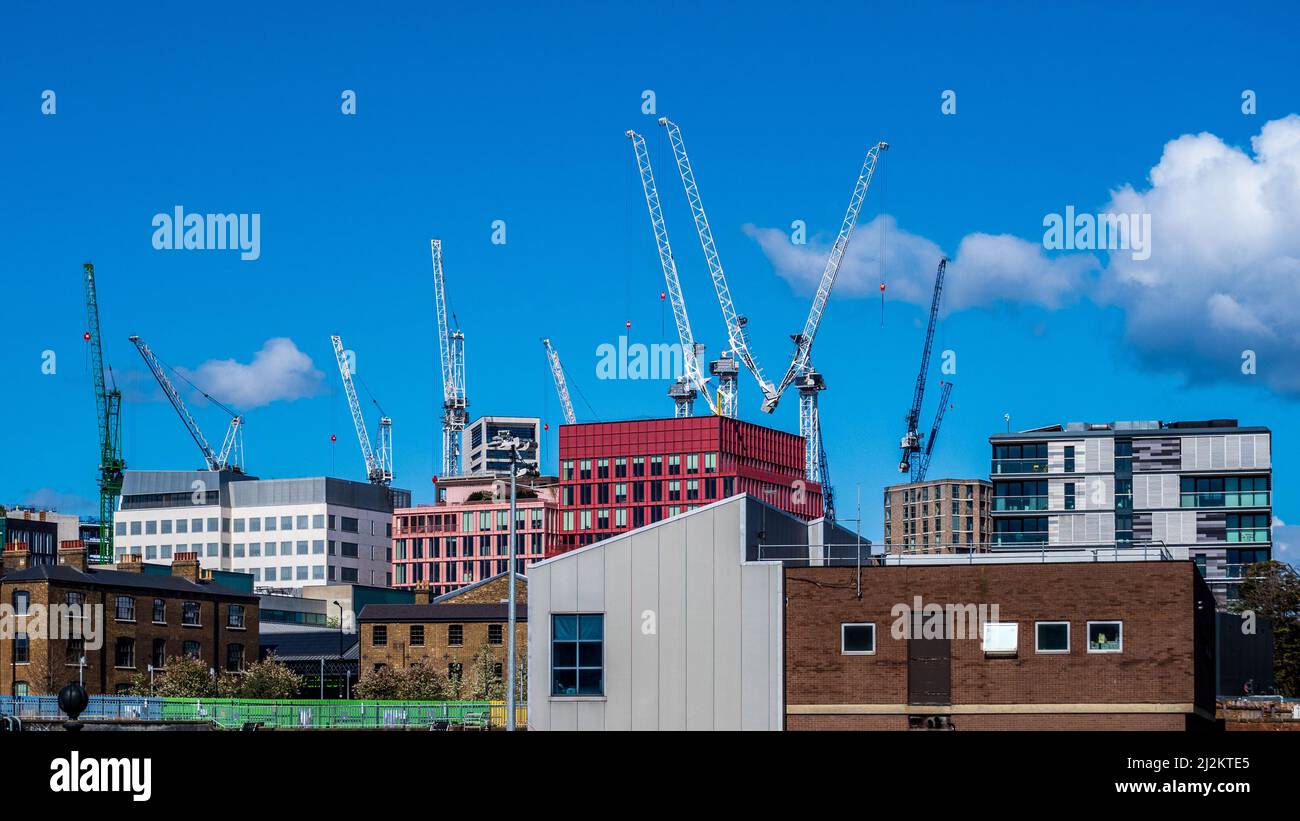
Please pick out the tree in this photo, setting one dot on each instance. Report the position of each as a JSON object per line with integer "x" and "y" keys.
{"x": 1272, "y": 590}
{"x": 485, "y": 677}
{"x": 183, "y": 677}
{"x": 421, "y": 682}
{"x": 381, "y": 683}
{"x": 269, "y": 679}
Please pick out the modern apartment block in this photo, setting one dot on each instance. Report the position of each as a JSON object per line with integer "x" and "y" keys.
{"x": 464, "y": 537}
{"x": 1201, "y": 489}
{"x": 287, "y": 533}
{"x": 938, "y": 516}
{"x": 478, "y": 458}
{"x": 617, "y": 476}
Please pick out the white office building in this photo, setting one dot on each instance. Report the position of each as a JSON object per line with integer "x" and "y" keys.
{"x": 287, "y": 533}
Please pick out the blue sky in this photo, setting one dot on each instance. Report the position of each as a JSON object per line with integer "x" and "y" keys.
{"x": 467, "y": 115}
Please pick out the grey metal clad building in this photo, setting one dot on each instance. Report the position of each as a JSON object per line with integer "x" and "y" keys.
{"x": 287, "y": 533}
{"x": 673, "y": 626}
{"x": 1203, "y": 489}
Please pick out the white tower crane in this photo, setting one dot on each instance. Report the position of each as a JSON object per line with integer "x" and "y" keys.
{"x": 379, "y": 466}
{"x": 451, "y": 344}
{"x": 231, "y": 456}
{"x": 801, "y": 371}
{"x": 724, "y": 368}
{"x": 693, "y": 382}
{"x": 561, "y": 386}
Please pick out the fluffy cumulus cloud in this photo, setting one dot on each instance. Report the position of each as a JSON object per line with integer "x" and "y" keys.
{"x": 986, "y": 268}
{"x": 1218, "y": 290}
{"x": 279, "y": 371}
{"x": 1224, "y": 273}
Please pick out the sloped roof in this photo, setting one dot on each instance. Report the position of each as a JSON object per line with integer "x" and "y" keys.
{"x": 440, "y": 612}
{"x": 121, "y": 579}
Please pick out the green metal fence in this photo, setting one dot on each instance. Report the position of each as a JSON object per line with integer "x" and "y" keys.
{"x": 292, "y": 714}
{"x": 235, "y": 713}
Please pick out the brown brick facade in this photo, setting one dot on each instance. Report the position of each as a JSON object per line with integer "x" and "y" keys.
{"x": 401, "y": 634}
{"x": 1164, "y": 670}
{"x": 51, "y": 663}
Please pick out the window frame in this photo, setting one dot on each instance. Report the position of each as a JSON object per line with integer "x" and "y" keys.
{"x": 1038, "y": 650}
{"x": 984, "y": 638}
{"x": 848, "y": 624}
{"x": 1088, "y": 635}
{"x": 577, "y": 667}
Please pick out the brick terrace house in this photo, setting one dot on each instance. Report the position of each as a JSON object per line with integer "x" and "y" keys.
{"x": 618, "y": 476}
{"x": 445, "y": 632}
{"x": 146, "y": 619}
{"x": 1073, "y": 645}
{"x": 463, "y": 538}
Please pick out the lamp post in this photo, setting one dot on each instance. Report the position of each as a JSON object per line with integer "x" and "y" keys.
{"x": 514, "y": 446}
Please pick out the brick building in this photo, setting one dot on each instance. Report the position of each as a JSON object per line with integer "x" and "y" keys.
{"x": 938, "y": 516}
{"x": 464, "y": 537}
{"x": 140, "y": 619}
{"x": 444, "y": 632}
{"x": 1073, "y": 645}
{"x": 618, "y": 476}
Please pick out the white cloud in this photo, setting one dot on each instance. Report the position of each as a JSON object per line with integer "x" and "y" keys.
{"x": 1223, "y": 275}
{"x": 279, "y": 371}
{"x": 1224, "y": 272}
{"x": 986, "y": 268}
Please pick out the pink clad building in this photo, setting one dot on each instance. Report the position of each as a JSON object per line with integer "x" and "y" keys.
{"x": 463, "y": 538}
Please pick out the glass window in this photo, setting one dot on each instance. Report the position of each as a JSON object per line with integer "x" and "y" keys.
{"x": 1001, "y": 637}
{"x": 858, "y": 639}
{"x": 235, "y": 615}
{"x": 578, "y": 654}
{"x": 124, "y": 656}
{"x": 125, "y": 608}
{"x": 417, "y": 635}
{"x": 235, "y": 657}
{"x": 190, "y": 611}
{"x": 1105, "y": 636}
{"x": 379, "y": 635}
{"x": 495, "y": 634}
{"x": 455, "y": 635}
{"x": 1052, "y": 637}
{"x": 159, "y": 611}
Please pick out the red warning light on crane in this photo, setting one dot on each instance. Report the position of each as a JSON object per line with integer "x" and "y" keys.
{"x": 546, "y": 426}
{"x": 628, "y": 324}
{"x": 882, "y": 287}
{"x": 663, "y": 295}
{"x": 86, "y": 336}
{"x": 333, "y": 438}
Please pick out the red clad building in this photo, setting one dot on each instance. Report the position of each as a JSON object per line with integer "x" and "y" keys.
{"x": 616, "y": 476}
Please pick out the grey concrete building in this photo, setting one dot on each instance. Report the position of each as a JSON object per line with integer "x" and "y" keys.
{"x": 1201, "y": 489}
{"x": 673, "y": 626}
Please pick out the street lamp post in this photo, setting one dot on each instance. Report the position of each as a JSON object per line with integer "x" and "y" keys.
{"x": 514, "y": 446}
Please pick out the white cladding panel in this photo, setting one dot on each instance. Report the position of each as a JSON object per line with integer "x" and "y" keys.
{"x": 692, "y": 633}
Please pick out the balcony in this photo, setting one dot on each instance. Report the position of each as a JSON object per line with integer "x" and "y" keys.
{"x": 1018, "y": 466}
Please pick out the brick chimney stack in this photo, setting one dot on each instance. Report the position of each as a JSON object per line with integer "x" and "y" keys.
{"x": 16, "y": 557}
{"x": 73, "y": 554}
{"x": 130, "y": 563}
{"x": 422, "y": 592}
{"x": 186, "y": 565}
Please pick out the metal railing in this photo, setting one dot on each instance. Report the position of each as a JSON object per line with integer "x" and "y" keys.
{"x": 289, "y": 714}
{"x": 854, "y": 555}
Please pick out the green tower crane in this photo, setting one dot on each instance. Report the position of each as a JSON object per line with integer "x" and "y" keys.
{"x": 108, "y": 403}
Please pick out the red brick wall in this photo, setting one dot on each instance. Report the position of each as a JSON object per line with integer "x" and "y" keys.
{"x": 1154, "y": 600}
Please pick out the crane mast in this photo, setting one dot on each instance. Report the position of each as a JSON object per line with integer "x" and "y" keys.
{"x": 451, "y": 344}
{"x": 799, "y": 364}
{"x": 561, "y": 386}
{"x": 737, "y": 337}
{"x": 921, "y": 465}
{"x": 911, "y": 441}
{"x": 379, "y": 466}
{"x": 693, "y": 382}
{"x": 232, "y": 444}
{"x": 108, "y": 405}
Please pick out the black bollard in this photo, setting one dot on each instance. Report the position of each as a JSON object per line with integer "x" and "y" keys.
{"x": 72, "y": 701}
